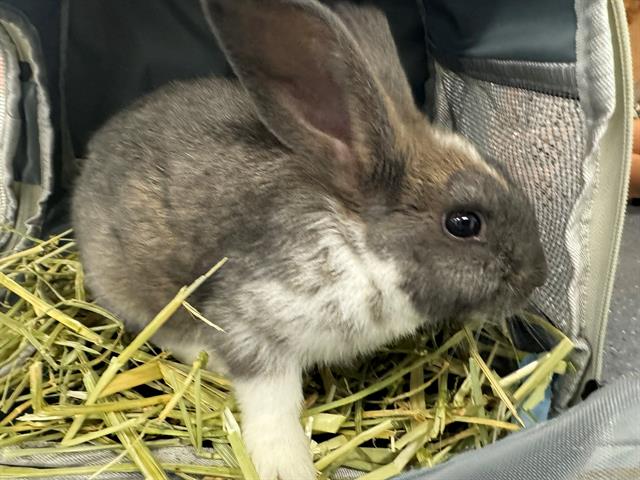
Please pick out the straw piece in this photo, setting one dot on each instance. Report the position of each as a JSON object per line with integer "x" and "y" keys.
{"x": 35, "y": 379}
{"x": 35, "y": 250}
{"x": 29, "y": 336}
{"x": 54, "y": 253}
{"x": 485, "y": 421}
{"x": 419, "y": 388}
{"x": 335, "y": 455}
{"x": 376, "y": 455}
{"x": 493, "y": 381}
{"x": 126, "y": 425}
{"x": 135, "y": 377}
{"x": 538, "y": 394}
{"x": 518, "y": 375}
{"x": 41, "y": 306}
{"x": 16, "y": 411}
{"x": 417, "y": 432}
{"x": 193, "y": 311}
{"x": 399, "y": 463}
{"x": 197, "y": 365}
{"x": 237, "y": 444}
{"x": 116, "y": 406}
{"x": 326, "y": 422}
{"x": 546, "y": 367}
{"x": 321, "y": 449}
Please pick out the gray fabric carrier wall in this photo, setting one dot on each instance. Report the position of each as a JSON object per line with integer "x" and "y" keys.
{"x": 542, "y": 87}
{"x": 26, "y": 134}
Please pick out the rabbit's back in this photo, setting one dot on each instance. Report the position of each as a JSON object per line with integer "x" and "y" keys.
{"x": 171, "y": 184}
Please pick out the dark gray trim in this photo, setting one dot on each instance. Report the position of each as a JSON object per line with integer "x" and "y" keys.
{"x": 553, "y": 78}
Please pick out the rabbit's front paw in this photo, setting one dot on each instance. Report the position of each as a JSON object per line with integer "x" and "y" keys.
{"x": 270, "y": 407}
{"x": 281, "y": 454}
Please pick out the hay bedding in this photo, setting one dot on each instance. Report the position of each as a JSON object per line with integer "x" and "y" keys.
{"x": 73, "y": 381}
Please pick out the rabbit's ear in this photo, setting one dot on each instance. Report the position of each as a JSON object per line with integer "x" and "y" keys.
{"x": 309, "y": 81}
{"x": 370, "y": 28}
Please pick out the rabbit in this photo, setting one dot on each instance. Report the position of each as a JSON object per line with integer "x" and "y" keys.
{"x": 349, "y": 220}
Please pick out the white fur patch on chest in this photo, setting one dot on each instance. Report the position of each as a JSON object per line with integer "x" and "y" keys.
{"x": 359, "y": 307}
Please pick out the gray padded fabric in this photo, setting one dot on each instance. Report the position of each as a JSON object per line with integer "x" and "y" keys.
{"x": 182, "y": 455}
{"x": 9, "y": 126}
{"x": 32, "y": 111}
{"x": 597, "y": 440}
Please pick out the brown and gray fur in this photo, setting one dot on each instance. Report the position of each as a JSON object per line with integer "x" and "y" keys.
{"x": 324, "y": 185}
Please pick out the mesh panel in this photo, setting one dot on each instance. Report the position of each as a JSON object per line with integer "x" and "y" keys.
{"x": 539, "y": 139}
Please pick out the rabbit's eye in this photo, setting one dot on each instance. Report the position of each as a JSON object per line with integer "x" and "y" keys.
{"x": 463, "y": 224}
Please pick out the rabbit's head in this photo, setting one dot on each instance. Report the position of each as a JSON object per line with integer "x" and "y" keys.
{"x": 330, "y": 87}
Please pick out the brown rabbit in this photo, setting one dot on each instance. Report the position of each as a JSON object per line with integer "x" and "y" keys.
{"x": 349, "y": 220}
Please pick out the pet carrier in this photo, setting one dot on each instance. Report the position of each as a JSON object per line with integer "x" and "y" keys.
{"x": 544, "y": 88}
